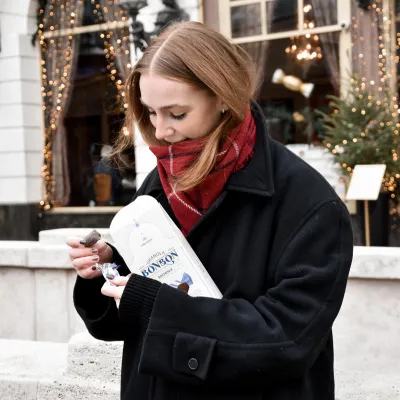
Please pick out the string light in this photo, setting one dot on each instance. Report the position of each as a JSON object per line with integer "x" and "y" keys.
{"x": 306, "y": 47}
{"x": 381, "y": 95}
{"x": 55, "y": 92}
{"x": 113, "y": 50}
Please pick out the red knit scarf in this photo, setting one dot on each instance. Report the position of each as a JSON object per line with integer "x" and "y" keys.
{"x": 172, "y": 160}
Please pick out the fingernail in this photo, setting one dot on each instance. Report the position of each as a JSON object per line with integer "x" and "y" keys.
{"x": 94, "y": 268}
{"x": 94, "y": 251}
{"x": 111, "y": 277}
{"x": 82, "y": 242}
{"x": 95, "y": 259}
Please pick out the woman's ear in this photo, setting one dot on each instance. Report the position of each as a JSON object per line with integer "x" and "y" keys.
{"x": 223, "y": 107}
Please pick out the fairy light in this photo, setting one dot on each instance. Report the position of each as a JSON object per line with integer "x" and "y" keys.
{"x": 55, "y": 92}
{"x": 306, "y": 47}
{"x": 381, "y": 93}
{"x": 112, "y": 50}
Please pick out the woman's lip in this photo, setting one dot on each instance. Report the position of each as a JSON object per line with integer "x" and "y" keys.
{"x": 177, "y": 141}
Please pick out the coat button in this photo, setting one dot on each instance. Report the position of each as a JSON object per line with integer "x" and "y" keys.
{"x": 193, "y": 364}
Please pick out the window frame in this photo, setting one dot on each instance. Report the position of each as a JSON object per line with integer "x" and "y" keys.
{"x": 344, "y": 18}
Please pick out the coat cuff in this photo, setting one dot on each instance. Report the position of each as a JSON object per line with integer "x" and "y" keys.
{"x": 138, "y": 299}
{"x": 117, "y": 259}
{"x": 89, "y": 300}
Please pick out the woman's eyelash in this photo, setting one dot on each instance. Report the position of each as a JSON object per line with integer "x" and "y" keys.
{"x": 176, "y": 117}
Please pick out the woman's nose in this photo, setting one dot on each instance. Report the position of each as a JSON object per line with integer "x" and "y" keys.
{"x": 163, "y": 132}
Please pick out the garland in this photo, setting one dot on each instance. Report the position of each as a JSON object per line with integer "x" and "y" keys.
{"x": 39, "y": 19}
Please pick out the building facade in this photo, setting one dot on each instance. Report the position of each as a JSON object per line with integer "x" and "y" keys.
{"x": 68, "y": 131}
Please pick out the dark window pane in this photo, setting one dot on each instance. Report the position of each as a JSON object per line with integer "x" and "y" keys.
{"x": 282, "y": 15}
{"x": 246, "y": 20}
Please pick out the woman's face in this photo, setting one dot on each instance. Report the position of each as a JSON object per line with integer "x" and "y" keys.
{"x": 179, "y": 111}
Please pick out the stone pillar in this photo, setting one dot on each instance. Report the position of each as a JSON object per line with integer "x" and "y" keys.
{"x": 20, "y": 121}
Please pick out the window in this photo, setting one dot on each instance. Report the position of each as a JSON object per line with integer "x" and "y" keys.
{"x": 302, "y": 38}
{"x": 84, "y": 62}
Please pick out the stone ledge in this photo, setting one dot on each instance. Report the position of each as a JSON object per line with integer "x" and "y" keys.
{"x": 103, "y": 357}
{"x": 376, "y": 263}
{"x": 15, "y": 253}
{"x": 366, "y": 386}
{"x": 67, "y": 388}
{"x": 51, "y": 252}
{"x": 72, "y": 388}
{"x": 49, "y": 256}
{"x": 12, "y": 388}
{"x": 34, "y": 255}
{"x": 31, "y": 359}
{"x": 59, "y": 236}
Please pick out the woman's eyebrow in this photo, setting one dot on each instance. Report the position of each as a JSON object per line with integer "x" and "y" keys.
{"x": 165, "y": 107}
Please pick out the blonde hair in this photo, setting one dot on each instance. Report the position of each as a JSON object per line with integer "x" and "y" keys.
{"x": 190, "y": 52}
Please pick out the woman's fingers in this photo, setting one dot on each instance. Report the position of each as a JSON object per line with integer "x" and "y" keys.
{"x": 74, "y": 242}
{"x": 85, "y": 262}
{"x": 79, "y": 250}
{"x": 77, "y": 253}
{"x": 85, "y": 258}
{"x": 88, "y": 273}
{"x": 121, "y": 280}
{"x": 113, "y": 291}
{"x": 116, "y": 288}
{"x": 101, "y": 246}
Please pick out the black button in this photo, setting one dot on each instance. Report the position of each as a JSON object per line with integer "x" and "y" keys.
{"x": 193, "y": 364}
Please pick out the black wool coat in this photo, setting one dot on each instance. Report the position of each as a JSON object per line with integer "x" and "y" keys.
{"x": 278, "y": 244}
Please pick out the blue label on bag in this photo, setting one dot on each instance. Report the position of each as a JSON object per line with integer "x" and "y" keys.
{"x": 162, "y": 262}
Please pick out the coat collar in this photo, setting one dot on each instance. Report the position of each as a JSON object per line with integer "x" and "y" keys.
{"x": 257, "y": 176}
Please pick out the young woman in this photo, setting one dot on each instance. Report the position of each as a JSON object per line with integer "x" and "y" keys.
{"x": 269, "y": 229}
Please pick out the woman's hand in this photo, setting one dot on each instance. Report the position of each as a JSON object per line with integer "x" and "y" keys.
{"x": 84, "y": 258}
{"x": 116, "y": 288}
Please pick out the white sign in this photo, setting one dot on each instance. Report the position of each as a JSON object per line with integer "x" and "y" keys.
{"x": 366, "y": 182}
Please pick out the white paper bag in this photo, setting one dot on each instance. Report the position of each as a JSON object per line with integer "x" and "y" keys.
{"x": 153, "y": 246}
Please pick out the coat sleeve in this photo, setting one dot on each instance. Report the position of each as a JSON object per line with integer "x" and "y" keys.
{"x": 98, "y": 312}
{"x": 196, "y": 340}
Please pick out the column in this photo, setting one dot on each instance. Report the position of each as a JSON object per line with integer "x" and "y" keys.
{"x": 20, "y": 122}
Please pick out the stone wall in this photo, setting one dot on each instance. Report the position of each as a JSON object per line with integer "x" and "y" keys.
{"x": 39, "y": 279}
{"x": 36, "y": 283}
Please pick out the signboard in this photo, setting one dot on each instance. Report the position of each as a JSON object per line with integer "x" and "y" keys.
{"x": 366, "y": 182}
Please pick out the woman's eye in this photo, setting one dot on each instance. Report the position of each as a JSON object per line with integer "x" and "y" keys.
{"x": 151, "y": 113}
{"x": 178, "y": 117}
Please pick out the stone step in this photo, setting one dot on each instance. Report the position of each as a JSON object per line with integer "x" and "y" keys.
{"x": 31, "y": 359}
{"x": 353, "y": 385}
{"x": 88, "y": 357}
{"x": 40, "y": 371}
